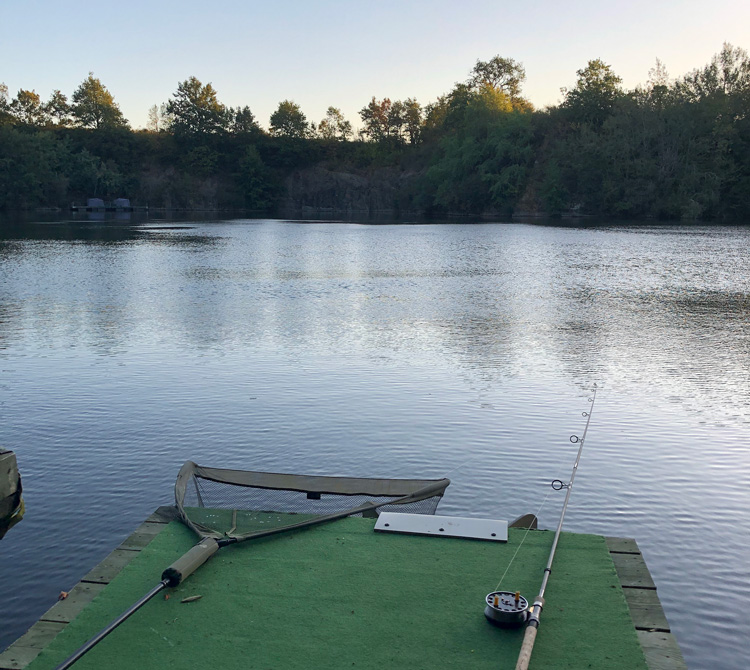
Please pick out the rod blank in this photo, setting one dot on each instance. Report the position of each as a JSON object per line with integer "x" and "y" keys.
{"x": 536, "y": 609}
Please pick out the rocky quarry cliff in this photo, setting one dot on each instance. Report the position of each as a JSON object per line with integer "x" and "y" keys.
{"x": 374, "y": 192}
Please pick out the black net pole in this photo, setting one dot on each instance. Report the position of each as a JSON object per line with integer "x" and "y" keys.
{"x": 106, "y": 631}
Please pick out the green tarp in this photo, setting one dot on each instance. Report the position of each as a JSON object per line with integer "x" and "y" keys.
{"x": 342, "y": 596}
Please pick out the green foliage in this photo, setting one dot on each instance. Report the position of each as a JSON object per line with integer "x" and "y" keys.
{"x": 594, "y": 95}
{"x": 289, "y": 121}
{"x": 201, "y": 161}
{"x": 502, "y": 74}
{"x": 670, "y": 148}
{"x": 376, "y": 117}
{"x": 394, "y": 122}
{"x": 27, "y": 109}
{"x": 255, "y": 180}
{"x": 242, "y": 121}
{"x": 412, "y": 120}
{"x": 727, "y": 75}
{"x": 483, "y": 164}
{"x": 194, "y": 109}
{"x": 58, "y": 109}
{"x": 334, "y": 126}
{"x": 32, "y": 168}
{"x": 499, "y": 77}
{"x": 94, "y": 107}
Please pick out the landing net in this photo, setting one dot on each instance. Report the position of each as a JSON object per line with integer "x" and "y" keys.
{"x": 241, "y": 504}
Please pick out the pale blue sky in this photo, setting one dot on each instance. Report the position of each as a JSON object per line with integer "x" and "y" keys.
{"x": 341, "y": 53}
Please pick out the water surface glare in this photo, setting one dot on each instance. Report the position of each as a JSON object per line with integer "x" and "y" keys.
{"x": 386, "y": 350}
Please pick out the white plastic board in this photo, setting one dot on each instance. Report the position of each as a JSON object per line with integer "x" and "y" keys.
{"x": 447, "y": 526}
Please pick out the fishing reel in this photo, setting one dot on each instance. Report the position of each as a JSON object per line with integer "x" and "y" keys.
{"x": 506, "y": 609}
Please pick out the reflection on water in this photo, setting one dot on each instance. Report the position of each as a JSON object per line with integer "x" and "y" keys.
{"x": 385, "y": 351}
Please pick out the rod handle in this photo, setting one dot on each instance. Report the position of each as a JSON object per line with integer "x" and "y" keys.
{"x": 187, "y": 564}
{"x": 528, "y": 644}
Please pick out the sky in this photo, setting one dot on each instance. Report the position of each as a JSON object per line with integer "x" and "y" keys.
{"x": 344, "y": 52}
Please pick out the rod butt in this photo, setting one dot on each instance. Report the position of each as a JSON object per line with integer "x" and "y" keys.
{"x": 528, "y": 645}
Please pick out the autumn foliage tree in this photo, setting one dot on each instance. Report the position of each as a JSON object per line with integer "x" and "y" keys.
{"x": 502, "y": 74}
{"x": 334, "y": 126}
{"x": 395, "y": 121}
{"x": 28, "y": 109}
{"x": 95, "y": 107}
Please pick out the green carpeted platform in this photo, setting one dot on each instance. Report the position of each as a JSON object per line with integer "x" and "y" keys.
{"x": 342, "y": 596}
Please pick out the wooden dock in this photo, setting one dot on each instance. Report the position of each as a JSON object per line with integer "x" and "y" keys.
{"x": 24, "y": 650}
{"x": 659, "y": 645}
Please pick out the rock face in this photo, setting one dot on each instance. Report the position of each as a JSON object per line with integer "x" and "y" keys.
{"x": 319, "y": 190}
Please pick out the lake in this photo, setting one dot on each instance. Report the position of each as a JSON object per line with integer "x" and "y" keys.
{"x": 466, "y": 350}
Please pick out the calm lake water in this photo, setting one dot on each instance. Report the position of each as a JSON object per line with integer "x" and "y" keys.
{"x": 386, "y": 350}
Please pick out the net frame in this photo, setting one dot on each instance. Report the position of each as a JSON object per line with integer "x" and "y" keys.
{"x": 325, "y": 497}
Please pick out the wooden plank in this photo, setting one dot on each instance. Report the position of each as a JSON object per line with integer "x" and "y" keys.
{"x": 26, "y": 648}
{"x": 661, "y": 651}
{"x": 17, "y": 657}
{"x": 163, "y": 514}
{"x": 652, "y": 628}
{"x": 632, "y": 571}
{"x": 40, "y": 634}
{"x": 646, "y": 610}
{"x": 66, "y": 610}
{"x": 622, "y": 545}
{"x": 142, "y": 536}
{"x": 110, "y": 567}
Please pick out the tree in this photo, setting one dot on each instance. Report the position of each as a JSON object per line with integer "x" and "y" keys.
{"x": 595, "y": 93}
{"x": 658, "y": 91}
{"x": 254, "y": 179}
{"x": 375, "y": 117}
{"x": 201, "y": 161}
{"x": 334, "y": 126}
{"x": 5, "y": 116}
{"x": 58, "y": 108}
{"x": 728, "y": 73}
{"x": 289, "y": 121}
{"x": 413, "y": 120}
{"x": 32, "y": 169}
{"x": 27, "y": 108}
{"x": 154, "y": 123}
{"x": 242, "y": 121}
{"x": 194, "y": 109}
{"x": 448, "y": 111}
{"x": 94, "y": 107}
{"x": 503, "y": 74}
{"x": 485, "y": 158}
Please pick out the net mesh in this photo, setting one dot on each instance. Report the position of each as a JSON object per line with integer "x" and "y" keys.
{"x": 242, "y": 504}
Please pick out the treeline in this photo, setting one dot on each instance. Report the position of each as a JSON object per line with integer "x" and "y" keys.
{"x": 671, "y": 149}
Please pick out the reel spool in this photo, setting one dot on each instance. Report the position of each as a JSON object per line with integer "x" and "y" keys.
{"x": 506, "y": 609}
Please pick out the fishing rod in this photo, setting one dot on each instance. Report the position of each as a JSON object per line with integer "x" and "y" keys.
{"x": 508, "y": 609}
